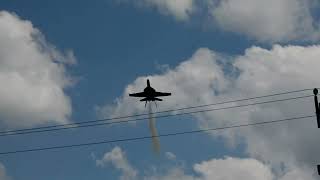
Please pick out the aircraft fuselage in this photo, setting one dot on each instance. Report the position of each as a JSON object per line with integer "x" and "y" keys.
{"x": 150, "y": 94}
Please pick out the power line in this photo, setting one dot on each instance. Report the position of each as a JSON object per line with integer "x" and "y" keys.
{"x": 149, "y": 137}
{"x": 144, "y": 114}
{"x": 142, "y": 119}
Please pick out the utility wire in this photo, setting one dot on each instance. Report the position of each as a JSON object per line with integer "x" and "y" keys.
{"x": 144, "y": 114}
{"x": 146, "y": 118}
{"x": 149, "y": 137}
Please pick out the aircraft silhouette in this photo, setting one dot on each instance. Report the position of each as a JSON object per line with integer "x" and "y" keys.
{"x": 150, "y": 94}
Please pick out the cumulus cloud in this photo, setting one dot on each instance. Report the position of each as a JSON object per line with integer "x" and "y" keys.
{"x": 119, "y": 160}
{"x": 179, "y": 9}
{"x": 170, "y": 156}
{"x": 198, "y": 74}
{"x": 234, "y": 168}
{"x": 220, "y": 169}
{"x": 298, "y": 174}
{"x": 266, "y": 21}
{"x": 273, "y": 20}
{"x": 174, "y": 174}
{"x": 206, "y": 77}
{"x": 32, "y": 74}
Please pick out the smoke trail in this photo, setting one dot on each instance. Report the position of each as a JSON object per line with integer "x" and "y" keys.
{"x": 153, "y": 130}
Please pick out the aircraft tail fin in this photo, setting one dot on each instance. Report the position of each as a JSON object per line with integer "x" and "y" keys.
{"x": 148, "y": 83}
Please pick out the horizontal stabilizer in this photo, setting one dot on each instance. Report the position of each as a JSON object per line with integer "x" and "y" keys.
{"x": 151, "y": 99}
{"x": 144, "y": 99}
{"x": 157, "y": 99}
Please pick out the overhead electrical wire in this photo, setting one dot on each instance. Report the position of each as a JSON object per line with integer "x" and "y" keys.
{"x": 149, "y": 137}
{"x": 158, "y": 112}
{"x": 107, "y": 122}
{"x": 145, "y": 114}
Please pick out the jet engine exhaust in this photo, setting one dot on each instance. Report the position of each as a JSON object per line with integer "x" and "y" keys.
{"x": 153, "y": 130}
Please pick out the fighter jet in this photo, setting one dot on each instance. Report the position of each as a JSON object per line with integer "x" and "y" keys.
{"x": 150, "y": 94}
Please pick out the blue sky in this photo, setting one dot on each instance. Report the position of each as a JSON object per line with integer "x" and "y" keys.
{"x": 107, "y": 49}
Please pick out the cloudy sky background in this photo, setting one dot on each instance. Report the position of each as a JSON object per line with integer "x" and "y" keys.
{"x": 64, "y": 62}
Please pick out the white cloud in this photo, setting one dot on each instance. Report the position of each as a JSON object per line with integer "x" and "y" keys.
{"x": 179, "y": 9}
{"x": 173, "y": 174}
{"x": 118, "y": 159}
{"x": 32, "y": 75}
{"x": 265, "y": 21}
{"x": 227, "y": 168}
{"x": 219, "y": 169}
{"x": 288, "y": 148}
{"x": 233, "y": 168}
{"x": 170, "y": 156}
{"x": 198, "y": 74}
{"x": 3, "y": 175}
{"x": 298, "y": 174}
{"x": 272, "y": 20}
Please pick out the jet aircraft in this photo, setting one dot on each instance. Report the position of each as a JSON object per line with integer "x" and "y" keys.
{"x": 150, "y": 94}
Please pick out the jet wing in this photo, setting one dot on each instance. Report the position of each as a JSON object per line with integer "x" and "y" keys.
{"x": 157, "y": 94}
{"x": 140, "y": 94}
